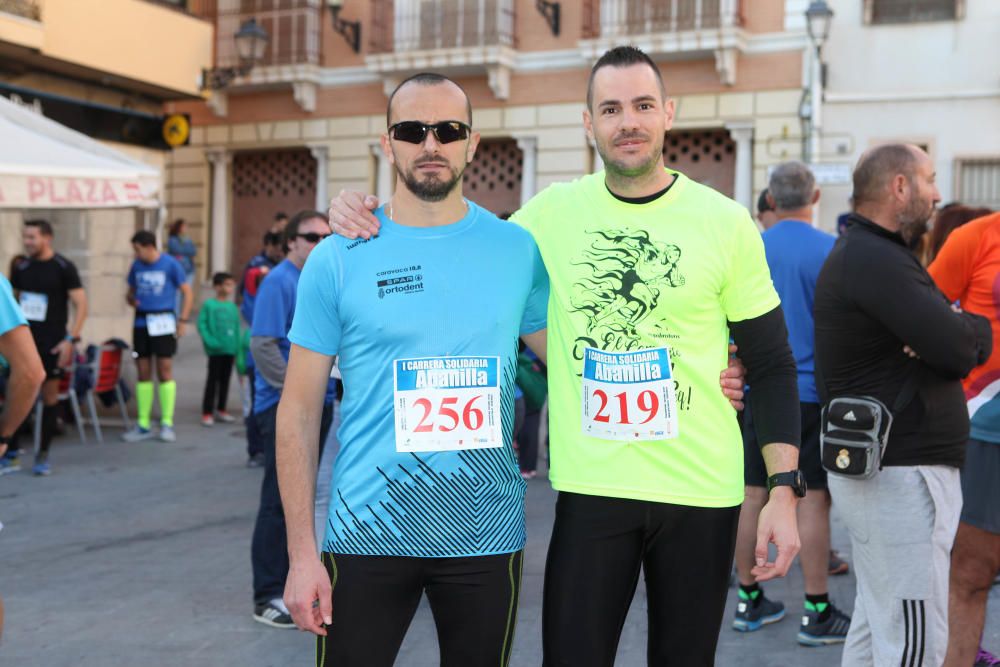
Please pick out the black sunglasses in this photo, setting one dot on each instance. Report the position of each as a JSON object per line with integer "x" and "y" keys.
{"x": 313, "y": 237}
{"x": 414, "y": 132}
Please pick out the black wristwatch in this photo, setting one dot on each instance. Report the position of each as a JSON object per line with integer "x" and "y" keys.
{"x": 792, "y": 478}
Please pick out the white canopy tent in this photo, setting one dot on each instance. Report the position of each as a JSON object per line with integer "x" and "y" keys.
{"x": 46, "y": 165}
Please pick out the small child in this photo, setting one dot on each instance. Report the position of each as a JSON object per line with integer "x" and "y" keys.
{"x": 219, "y": 326}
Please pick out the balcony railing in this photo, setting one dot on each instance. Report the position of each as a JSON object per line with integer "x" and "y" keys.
{"x": 417, "y": 25}
{"x": 27, "y": 9}
{"x": 294, "y": 28}
{"x": 615, "y": 18}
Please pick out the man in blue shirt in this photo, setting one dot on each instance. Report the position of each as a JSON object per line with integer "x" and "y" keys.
{"x": 795, "y": 253}
{"x": 424, "y": 322}
{"x": 154, "y": 279}
{"x": 273, "y": 312}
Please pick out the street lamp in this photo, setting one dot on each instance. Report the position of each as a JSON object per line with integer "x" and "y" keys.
{"x": 351, "y": 30}
{"x": 251, "y": 43}
{"x": 818, "y": 18}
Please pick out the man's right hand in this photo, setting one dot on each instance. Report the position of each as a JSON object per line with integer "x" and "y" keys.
{"x": 351, "y": 215}
{"x": 309, "y": 596}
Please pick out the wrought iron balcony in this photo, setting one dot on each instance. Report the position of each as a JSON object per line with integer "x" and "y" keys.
{"x": 402, "y": 26}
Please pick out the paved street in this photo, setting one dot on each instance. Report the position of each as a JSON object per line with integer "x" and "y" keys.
{"x": 139, "y": 555}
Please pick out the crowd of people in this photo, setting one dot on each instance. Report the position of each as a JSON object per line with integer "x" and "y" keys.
{"x": 710, "y": 391}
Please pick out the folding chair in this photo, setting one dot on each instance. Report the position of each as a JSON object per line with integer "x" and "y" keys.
{"x": 65, "y": 392}
{"x": 107, "y": 372}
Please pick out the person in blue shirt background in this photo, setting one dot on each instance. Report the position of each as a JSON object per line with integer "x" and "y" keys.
{"x": 154, "y": 280}
{"x": 272, "y": 319}
{"x": 795, "y": 254}
{"x": 182, "y": 248}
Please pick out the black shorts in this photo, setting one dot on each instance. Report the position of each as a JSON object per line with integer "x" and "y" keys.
{"x": 473, "y": 600}
{"x": 754, "y": 470}
{"x": 981, "y": 486}
{"x": 146, "y": 346}
{"x": 44, "y": 342}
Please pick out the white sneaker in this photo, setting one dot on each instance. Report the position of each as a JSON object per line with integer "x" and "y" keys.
{"x": 137, "y": 434}
{"x": 167, "y": 433}
{"x": 207, "y": 420}
{"x": 224, "y": 417}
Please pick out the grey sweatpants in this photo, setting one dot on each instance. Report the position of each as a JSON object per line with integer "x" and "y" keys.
{"x": 902, "y": 525}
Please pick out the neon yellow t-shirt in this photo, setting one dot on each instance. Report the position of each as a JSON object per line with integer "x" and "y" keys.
{"x": 629, "y": 277}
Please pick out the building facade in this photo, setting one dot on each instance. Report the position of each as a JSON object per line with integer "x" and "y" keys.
{"x": 306, "y": 121}
{"x": 104, "y": 69}
{"x": 922, "y": 72}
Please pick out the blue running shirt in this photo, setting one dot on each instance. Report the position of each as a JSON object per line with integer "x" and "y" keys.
{"x": 795, "y": 253}
{"x": 10, "y": 313}
{"x": 273, "y": 314}
{"x": 155, "y": 286}
{"x": 423, "y": 297}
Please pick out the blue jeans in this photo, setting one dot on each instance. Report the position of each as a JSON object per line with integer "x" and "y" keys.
{"x": 269, "y": 547}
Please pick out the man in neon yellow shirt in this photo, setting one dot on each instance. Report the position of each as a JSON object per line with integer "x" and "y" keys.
{"x": 650, "y": 274}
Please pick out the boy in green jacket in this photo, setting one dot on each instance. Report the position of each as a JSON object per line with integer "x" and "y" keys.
{"x": 219, "y": 326}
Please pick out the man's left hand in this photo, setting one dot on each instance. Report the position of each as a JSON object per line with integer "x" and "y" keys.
{"x": 778, "y": 524}
{"x": 733, "y": 379}
{"x": 181, "y": 328}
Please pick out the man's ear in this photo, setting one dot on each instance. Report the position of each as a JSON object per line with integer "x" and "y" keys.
{"x": 387, "y": 149}
{"x": 588, "y": 124}
{"x": 470, "y": 152}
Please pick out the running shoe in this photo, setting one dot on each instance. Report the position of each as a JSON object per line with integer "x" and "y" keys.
{"x": 986, "y": 659}
{"x": 837, "y": 564}
{"x": 207, "y": 420}
{"x": 9, "y": 464}
{"x": 224, "y": 417}
{"x": 41, "y": 469}
{"x": 273, "y": 613}
{"x": 833, "y": 630}
{"x": 752, "y": 615}
{"x": 137, "y": 434}
{"x": 256, "y": 461}
{"x": 167, "y": 433}
{"x": 528, "y": 474}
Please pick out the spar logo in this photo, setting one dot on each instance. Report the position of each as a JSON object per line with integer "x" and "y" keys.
{"x": 405, "y": 280}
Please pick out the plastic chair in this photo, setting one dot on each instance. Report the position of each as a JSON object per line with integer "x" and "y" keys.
{"x": 65, "y": 392}
{"x": 107, "y": 372}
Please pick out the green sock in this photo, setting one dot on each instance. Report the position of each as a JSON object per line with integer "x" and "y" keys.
{"x": 168, "y": 396}
{"x": 144, "y": 402}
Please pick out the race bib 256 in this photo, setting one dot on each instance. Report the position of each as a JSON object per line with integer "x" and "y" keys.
{"x": 447, "y": 403}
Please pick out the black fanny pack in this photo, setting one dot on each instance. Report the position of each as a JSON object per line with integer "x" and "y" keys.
{"x": 854, "y": 431}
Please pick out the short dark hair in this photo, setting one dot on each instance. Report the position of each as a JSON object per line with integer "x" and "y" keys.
{"x": 221, "y": 277}
{"x": 144, "y": 238}
{"x": 280, "y": 215}
{"x": 763, "y": 206}
{"x": 43, "y": 226}
{"x": 426, "y": 79}
{"x": 877, "y": 166}
{"x": 623, "y": 56}
{"x": 292, "y": 228}
{"x": 175, "y": 227}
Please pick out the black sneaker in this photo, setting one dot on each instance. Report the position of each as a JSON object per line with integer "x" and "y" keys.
{"x": 754, "y": 614}
{"x": 833, "y": 630}
{"x": 256, "y": 461}
{"x": 273, "y": 613}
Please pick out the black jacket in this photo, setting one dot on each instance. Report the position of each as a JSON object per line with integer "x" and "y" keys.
{"x": 872, "y": 298}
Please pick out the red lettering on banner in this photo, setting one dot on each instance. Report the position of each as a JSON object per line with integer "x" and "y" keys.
{"x": 36, "y": 189}
{"x": 1, "y": 195}
{"x": 52, "y": 192}
{"x": 108, "y": 193}
{"x": 132, "y": 192}
{"x": 91, "y": 191}
{"x": 73, "y": 194}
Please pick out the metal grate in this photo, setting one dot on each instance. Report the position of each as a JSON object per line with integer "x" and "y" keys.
{"x": 264, "y": 183}
{"x": 638, "y": 17}
{"x": 706, "y": 156}
{"x": 979, "y": 182}
{"x": 493, "y": 180}
{"x": 293, "y": 26}
{"x": 410, "y": 25}
{"x": 911, "y": 11}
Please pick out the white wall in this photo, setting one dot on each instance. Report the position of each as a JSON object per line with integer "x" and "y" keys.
{"x": 935, "y": 83}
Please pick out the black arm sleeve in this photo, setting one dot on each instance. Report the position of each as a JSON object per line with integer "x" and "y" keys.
{"x": 762, "y": 344}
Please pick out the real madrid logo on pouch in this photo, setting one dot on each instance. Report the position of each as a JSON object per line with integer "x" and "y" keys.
{"x": 843, "y": 459}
